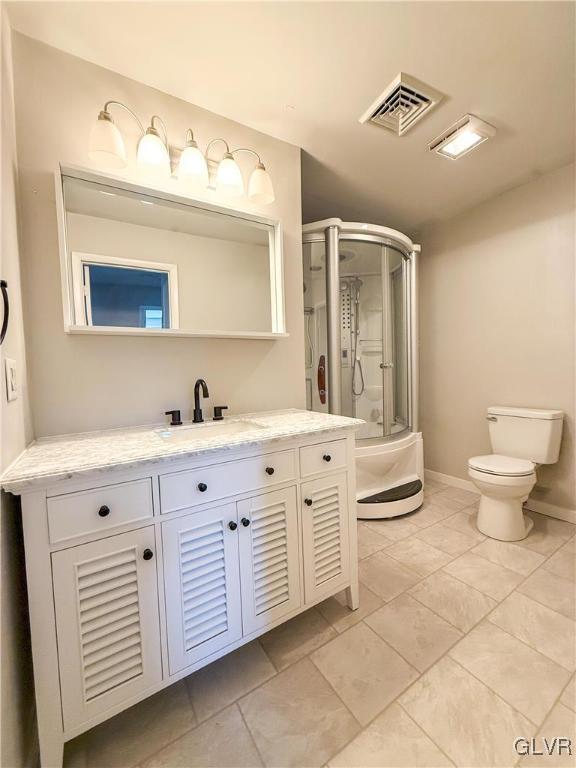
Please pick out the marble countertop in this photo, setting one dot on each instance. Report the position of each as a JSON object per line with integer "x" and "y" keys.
{"x": 68, "y": 457}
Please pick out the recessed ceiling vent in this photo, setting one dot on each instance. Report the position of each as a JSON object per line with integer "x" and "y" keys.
{"x": 402, "y": 105}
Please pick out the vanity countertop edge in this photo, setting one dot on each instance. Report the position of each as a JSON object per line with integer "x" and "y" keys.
{"x": 86, "y": 455}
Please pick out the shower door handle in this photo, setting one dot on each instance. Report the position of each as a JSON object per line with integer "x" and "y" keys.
{"x": 4, "y": 288}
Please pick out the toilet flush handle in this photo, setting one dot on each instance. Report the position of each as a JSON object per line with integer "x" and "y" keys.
{"x": 491, "y": 418}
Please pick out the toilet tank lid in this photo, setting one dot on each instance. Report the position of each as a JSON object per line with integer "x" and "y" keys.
{"x": 524, "y": 413}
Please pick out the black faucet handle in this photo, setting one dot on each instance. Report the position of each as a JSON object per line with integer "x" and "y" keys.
{"x": 176, "y": 420}
{"x": 218, "y": 412}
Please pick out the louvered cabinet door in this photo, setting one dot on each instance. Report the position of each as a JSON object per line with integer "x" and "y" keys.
{"x": 106, "y": 600}
{"x": 202, "y": 584}
{"x": 325, "y": 536}
{"x": 269, "y": 558}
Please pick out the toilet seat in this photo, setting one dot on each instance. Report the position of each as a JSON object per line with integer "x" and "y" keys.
{"x": 504, "y": 466}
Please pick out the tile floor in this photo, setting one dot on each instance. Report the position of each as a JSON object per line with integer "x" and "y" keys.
{"x": 461, "y": 645}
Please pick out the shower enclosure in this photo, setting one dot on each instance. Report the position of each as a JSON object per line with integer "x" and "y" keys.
{"x": 360, "y": 323}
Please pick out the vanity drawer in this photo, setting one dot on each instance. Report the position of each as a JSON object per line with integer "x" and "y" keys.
{"x": 180, "y": 490}
{"x": 324, "y": 457}
{"x": 99, "y": 509}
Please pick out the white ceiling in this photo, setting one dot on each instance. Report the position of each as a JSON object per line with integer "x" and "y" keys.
{"x": 305, "y": 72}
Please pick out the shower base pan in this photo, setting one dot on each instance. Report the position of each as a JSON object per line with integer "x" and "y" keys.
{"x": 389, "y": 477}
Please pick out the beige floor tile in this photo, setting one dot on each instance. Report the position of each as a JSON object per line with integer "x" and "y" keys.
{"x": 432, "y": 487}
{"x": 491, "y": 579}
{"x": 296, "y": 719}
{"x": 453, "y": 600}
{"x": 221, "y": 742}
{"x": 369, "y": 541}
{"x": 291, "y": 641}
{"x": 455, "y": 498}
{"x": 526, "y": 679}
{"x": 447, "y": 539}
{"x": 470, "y": 723}
{"x": 219, "y": 684}
{"x": 430, "y": 513}
{"x": 547, "y": 535}
{"x": 568, "y": 697}
{"x": 417, "y": 633}
{"x": 545, "y": 630}
{"x": 386, "y": 577}
{"x": 419, "y": 556}
{"x": 394, "y": 528}
{"x": 136, "y": 733}
{"x": 562, "y": 563}
{"x": 465, "y": 522}
{"x": 551, "y": 590}
{"x": 560, "y": 722}
{"x": 511, "y": 556}
{"x": 393, "y": 740}
{"x": 364, "y": 671}
{"x": 337, "y": 613}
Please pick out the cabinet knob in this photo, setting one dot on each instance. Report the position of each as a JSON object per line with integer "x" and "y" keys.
{"x": 202, "y": 487}
{"x": 148, "y": 554}
{"x": 232, "y": 525}
{"x": 308, "y": 502}
{"x": 104, "y": 511}
{"x": 245, "y": 522}
{"x": 269, "y": 470}
{"x": 327, "y": 457}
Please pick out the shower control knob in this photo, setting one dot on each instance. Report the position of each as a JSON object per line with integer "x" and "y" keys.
{"x": 327, "y": 457}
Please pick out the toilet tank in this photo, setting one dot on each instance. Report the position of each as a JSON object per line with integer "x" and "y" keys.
{"x": 526, "y": 433}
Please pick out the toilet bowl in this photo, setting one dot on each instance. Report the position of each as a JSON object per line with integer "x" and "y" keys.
{"x": 522, "y": 439}
{"x": 505, "y": 484}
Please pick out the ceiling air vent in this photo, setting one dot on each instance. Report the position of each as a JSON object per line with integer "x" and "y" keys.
{"x": 402, "y": 105}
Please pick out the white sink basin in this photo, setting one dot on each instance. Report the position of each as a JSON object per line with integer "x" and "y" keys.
{"x": 208, "y": 431}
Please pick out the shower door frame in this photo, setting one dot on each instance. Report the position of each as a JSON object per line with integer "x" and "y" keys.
{"x": 330, "y": 232}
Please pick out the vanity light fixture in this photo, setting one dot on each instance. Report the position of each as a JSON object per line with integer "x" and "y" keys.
{"x": 152, "y": 155}
{"x": 192, "y": 163}
{"x": 462, "y": 137}
{"x": 107, "y": 148}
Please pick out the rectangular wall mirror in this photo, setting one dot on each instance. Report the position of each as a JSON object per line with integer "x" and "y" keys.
{"x": 142, "y": 261}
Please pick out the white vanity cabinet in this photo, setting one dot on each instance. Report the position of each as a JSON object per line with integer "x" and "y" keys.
{"x": 138, "y": 576}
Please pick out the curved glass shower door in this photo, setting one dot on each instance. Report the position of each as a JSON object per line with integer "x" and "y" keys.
{"x": 374, "y": 339}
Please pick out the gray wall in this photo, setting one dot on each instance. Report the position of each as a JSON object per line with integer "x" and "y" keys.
{"x": 497, "y": 324}
{"x": 82, "y": 383}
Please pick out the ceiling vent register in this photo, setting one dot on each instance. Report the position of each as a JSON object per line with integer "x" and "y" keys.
{"x": 403, "y": 104}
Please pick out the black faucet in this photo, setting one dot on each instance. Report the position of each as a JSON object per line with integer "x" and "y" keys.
{"x": 197, "y": 410}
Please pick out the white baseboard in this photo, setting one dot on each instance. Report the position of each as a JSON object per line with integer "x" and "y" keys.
{"x": 456, "y": 482}
{"x": 542, "y": 507}
{"x": 561, "y": 513}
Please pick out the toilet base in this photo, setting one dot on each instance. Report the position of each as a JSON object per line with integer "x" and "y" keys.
{"x": 503, "y": 519}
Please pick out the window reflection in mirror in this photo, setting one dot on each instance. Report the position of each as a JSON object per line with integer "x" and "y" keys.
{"x": 142, "y": 261}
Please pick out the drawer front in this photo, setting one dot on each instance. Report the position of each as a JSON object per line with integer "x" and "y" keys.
{"x": 324, "y": 457}
{"x": 99, "y": 510}
{"x": 181, "y": 490}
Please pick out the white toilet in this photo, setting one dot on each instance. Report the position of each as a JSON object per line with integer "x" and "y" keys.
{"x": 521, "y": 438}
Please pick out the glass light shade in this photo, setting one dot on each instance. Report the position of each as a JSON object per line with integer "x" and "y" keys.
{"x": 192, "y": 165}
{"x": 260, "y": 189}
{"x": 229, "y": 178}
{"x": 152, "y": 155}
{"x": 106, "y": 145}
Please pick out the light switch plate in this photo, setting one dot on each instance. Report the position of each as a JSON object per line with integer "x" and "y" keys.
{"x": 11, "y": 379}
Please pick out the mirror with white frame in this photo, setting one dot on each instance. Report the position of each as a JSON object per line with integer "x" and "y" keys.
{"x": 143, "y": 261}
